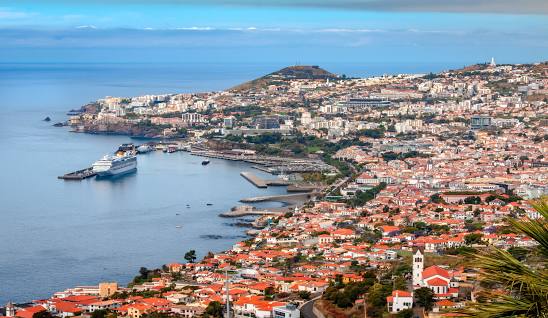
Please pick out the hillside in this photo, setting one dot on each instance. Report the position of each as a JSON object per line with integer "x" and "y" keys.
{"x": 290, "y": 72}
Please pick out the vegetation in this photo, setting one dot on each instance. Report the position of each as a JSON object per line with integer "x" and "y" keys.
{"x": 145, "y": 275}
{"x": 371, "y": 133}
{"x": 42, "y": 314}
{"x": 190, "y": 256}
{"x": 473, "y": 238}
{"x": 390, "y": 155}
{"x": 305, "y": 295}
{"x": 424, "y": 297}
{"x": 214, "y": 310}
{"x": 525, "y": 284}
{"x": 363, "y": 197}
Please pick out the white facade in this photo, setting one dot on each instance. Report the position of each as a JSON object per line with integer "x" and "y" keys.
{"x": 399, "y": 301}
{"x": 418, "y": 267}
{"x": 288, "y": 311}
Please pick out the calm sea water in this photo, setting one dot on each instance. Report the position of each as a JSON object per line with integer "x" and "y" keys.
{"x": 56, "y": 234}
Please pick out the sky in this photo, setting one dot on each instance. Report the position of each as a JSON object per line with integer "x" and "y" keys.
{"x": 305, "y": 31}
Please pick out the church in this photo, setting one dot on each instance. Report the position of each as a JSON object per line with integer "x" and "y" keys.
{"x": 439, "y": 280}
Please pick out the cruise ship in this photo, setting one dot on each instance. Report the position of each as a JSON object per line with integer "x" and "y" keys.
{"x": 115, "y": 165}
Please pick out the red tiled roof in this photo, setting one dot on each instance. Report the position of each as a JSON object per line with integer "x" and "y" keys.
{"x": 433, "y": 271}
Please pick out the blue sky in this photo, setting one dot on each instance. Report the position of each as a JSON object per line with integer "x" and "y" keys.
{"x": 283, "y": 30}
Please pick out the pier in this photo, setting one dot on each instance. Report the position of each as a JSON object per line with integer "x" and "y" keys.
{"x": 285, "y": 198}
{"x": 256, "y": 181}
{"x": 246, "y": 210}
{"x": 79, "y": 175}
{"x": 262, "y": 183}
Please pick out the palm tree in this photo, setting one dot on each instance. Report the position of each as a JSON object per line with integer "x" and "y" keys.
{"x": 524, "y": 286}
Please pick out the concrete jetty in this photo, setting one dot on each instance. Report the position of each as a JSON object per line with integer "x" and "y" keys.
{"x": 245, "y": 210}
{"x": 262, "y": 183}
{"x": 256, "y": 181}
{"x": 285, "y": 198}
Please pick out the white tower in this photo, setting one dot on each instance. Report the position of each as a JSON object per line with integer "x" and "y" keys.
{"x": 493, "y": 64}
{"x": 10, "y": 310}
{"x": 418, "y": 267}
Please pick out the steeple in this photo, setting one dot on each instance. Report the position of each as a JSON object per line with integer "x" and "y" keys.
{"x": 10, "y": 310}
{"x": 418, "y": 267}
{"x": 493, "y": 64}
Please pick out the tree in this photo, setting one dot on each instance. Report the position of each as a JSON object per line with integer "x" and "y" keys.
{"x": 304, "y": 294}
{"x": 214, "y": 309}
{"x": 472, "y": 200}
{"x": 406, "y": 313}
{"x": 424, "y": 297}
{"x": 436, "y": 198}
{"x": 473, "y": 238}
{"x": 101, "y": 313}
{"x": 526, "y": 283}
{"x": 269, "y": 292}
{"x": 42, "y": 314}
{"x": 143, "y": 271}
{"x": 190, "y": 256}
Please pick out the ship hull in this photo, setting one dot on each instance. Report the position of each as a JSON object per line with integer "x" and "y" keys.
{"x": 106, "y": 168}
{"x": 116, "y": 172}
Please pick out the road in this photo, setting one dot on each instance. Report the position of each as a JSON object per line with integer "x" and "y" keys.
{"x": 307, "y": 309}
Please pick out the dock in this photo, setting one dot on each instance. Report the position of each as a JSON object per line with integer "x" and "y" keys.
{"x": 296, "y": 198}
{"x": 247, "y": 210}
{"x": 256, "y": 181}
{"x": 79, "y": 175}
{"x": 262, "y": 183}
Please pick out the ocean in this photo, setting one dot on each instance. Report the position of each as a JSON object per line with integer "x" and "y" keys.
{"x": 56, "y": 234}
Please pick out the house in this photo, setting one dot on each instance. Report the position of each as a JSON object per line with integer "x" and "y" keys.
{"x": 65, "y": 309}
{"x": 287, "y": 311}
{"x": 187, "y": 311}
{"x": 29, "y": 312}
{"x": 399, "y": 300}
{"x": 325, "y": 239}
{"x": 389, "y": 230}
{"x": 137, "y": 310}
{"x": 367, "y": 179}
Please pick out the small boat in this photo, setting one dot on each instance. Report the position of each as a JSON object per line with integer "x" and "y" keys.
{"x": 144, "y": 148}
{"x": 47, "y": 119}
{"x": 205, "y": 162}
{"x": 178, "y": 226}
{"x": 176, "y": 213}
{"x": 59, "y": 124}
{"x": 209, "y": 204}
{"x": 75, "y": 112}
{"x": 172, "y": 149}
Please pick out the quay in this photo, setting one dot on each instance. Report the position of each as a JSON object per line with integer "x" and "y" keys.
{"x": 284, "y": 198}
{"x": 247, "y": 210}
{"x": 256, "y": 181}
{"x": 302, "y": 188}
{"x": 79, "y": 175}
{"x": 262, "y": 183}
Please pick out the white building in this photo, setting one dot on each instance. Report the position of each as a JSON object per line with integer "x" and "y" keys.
{"x": 418, "y": 267}
{"x": 287, "y": 311}
{"x": 400, "y": 300}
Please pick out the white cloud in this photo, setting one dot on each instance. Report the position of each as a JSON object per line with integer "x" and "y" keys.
{"x": 9, "y": 14}
{"x": 196, "y": 28}
{"x": 91, "y": 27}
